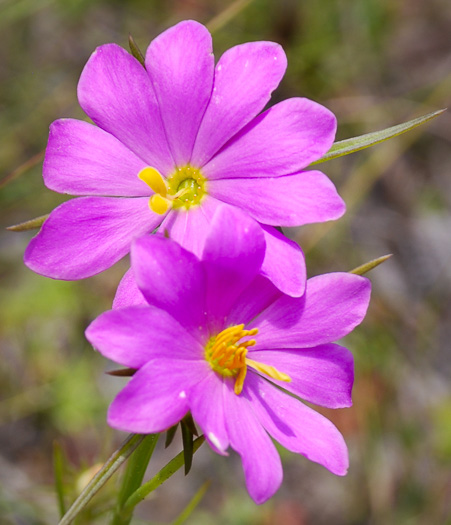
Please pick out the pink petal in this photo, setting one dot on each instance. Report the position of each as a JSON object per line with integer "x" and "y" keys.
{"x": 254, "y": 299}
{"x": 292, "y": 200}
{"x": 116, "y": 92}
{"x": 297, "y": 427}
{"x": 206, "y": 401}
{"x": 322, "y": 375}
{"x": 261, "y": 461}
{"x": 180, "y": 63}
{"x": 82, "y": 159}
{"x": 283, "y": 140}
{"x": 245, "y": 77}
{"x": 156, "y": 396}
{"x": 190, "y": 228}
{"x": 87, "y": 235}
{"x": 128, "y": 293}
{"x": 134, "y": 335}
{"x": 232, "y": 257}
{"x": 172, "y": 279}
{"x": 333, "y": 305}
{"x": 284, "y": 263}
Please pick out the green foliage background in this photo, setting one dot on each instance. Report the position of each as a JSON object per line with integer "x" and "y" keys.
{"x": 375, "y": 63}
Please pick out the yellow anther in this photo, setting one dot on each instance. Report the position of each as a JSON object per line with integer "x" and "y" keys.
{"x": 226, "y": 355}
{"x": 159, "y": 204}
{"x": 268, "y": 370}
{"x": 153, "y": 179}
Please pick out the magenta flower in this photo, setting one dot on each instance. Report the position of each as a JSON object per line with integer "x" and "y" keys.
{"x": 173, "y": 140}
{"x": 219, "y": 340}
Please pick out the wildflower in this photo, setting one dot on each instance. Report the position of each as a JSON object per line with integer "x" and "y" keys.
{"x": 173, "y": 140}
{"x": 217, "y": 339}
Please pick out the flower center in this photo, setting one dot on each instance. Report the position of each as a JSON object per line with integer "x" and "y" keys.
{"x": 183, "y": 189}
{"x": 226, "y": 355}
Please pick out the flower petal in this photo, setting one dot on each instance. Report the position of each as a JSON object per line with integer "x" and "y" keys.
{"x": 283, "y": 140}
{"x": 232, "y": 257}
{"x": 87, "y": 235}
{"x": 190, "y": 228}
{"x": 156, "y": 396}
{"x": 134, "y": 335}
{"x": 206, "y": 402}
{"x": 261, "y": 461}
{"x": 254, "y": 299}
{"x": 171, "y": 278}
{"x": 180, "y": 63}
{"x": 292, "y": 200}
{"x": 284, "y": 263}
{"x": 322, "y": 375}
{"x": 128, "y": 293}
{"x": 82, "y": 159}
{"x": 297, "y": 427}
{"x": 333, "y": 305}
{"x": 116, "y": 92}
{"x": 245, "y": 77}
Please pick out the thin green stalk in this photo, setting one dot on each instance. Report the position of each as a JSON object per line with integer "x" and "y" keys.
{"x": 133, "y": 476}
{"x": 58, "y": 470}
{"x": 165, "y": 473}
{"x": 104, "y": 474}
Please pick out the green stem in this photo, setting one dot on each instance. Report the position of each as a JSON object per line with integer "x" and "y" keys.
{"x": 165, "y": 473}
{"x": 104, "y": 474}
{"x": 133, "y": 476}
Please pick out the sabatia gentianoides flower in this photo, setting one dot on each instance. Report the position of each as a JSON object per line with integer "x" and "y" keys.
{"x": 219, "y": 340}
{"x": 174, "y": 139}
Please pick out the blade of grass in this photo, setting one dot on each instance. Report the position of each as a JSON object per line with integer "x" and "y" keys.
{"x": 370, "y": 265}
{"x": 165, "y": 473}
{"x": 32, "y": 224}
{"x": 134, "y": 474}
{"x": 58, "y": 470}
{"x": 345, "y": 147}
{"x": 188, "y": 510}
{"x": 222, "y": 18}
{"x": 104, "y": 474}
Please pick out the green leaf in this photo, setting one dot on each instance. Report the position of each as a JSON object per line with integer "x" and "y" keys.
{"x": 165, "y": 473}
{"x": 187, "y": 438}
{"x": 136, "y": 52}
{"x": 58, "y": 470}
{"x": 188, "y": 510}
{"x": 364, "y": 268}
{"x": 345, "y": 147}
{"x": 28, "y": 225}
{"x": 170, "y": 435}
{"x": 134, "y": 474}
{"x": 104, "y": 474}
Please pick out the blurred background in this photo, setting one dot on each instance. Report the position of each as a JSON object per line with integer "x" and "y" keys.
{"x": 374, "y": 63}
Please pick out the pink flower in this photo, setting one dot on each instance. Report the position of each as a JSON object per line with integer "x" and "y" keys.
{"x": 172, "y": 141}
{"x": 216, "y": 338}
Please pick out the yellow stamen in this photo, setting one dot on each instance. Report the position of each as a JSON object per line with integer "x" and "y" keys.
{"x": 226, "y": 355}
{"x": 153, "y": 179}
{"x": 159, "y": 204}
{"x": 183, "y": 189}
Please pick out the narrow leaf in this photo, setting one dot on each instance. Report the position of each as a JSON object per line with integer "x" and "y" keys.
{"x": 170, "y": 434}
{"x": 345, "y": 147}
{"x": 165, "y": 473}
{"x": 136, "y": 52}
{"x": 133, "y": 476}
{"x": 58, "y": 470}
{"x": 187, "y": 438}
{"x": 188, "y": 510}
{"x": 32, "y": 224}
{"x": 364, "y": 268}
{"x": 122, "y": 372}
{"x": 104, "y": 474}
